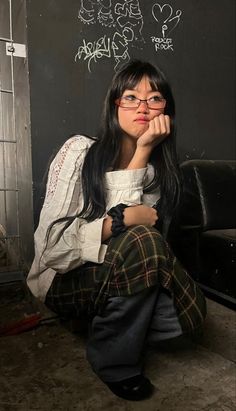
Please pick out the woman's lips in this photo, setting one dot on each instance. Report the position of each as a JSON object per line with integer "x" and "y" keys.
{"x": 142, "y": 120}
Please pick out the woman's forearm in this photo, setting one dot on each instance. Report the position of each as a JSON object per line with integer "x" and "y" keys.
{"x": 140, "y": 158}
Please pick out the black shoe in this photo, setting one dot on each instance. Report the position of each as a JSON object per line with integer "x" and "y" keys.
{"x": 134, "y": 389}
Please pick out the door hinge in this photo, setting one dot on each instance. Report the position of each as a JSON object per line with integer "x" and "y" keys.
{"x": 16, "y": 49}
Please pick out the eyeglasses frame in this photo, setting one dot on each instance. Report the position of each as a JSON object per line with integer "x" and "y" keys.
{"x": 117, "y": 102}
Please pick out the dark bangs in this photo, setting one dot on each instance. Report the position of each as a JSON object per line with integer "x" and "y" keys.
{"x": 133, "y": 73}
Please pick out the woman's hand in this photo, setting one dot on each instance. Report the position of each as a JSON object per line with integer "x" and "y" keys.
{"x": 158, "y": 130}
{"x": 140, "y": 214}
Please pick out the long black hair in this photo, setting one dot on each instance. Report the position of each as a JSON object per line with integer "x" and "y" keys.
{"x": 104, "y": 153}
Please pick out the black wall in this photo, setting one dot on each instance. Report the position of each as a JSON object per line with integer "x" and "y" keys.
{"x": 198, "y": 58}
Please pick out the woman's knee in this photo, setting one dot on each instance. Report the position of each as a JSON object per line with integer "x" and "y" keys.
{"x": 145, "y": 241}
{"x": 147, "y": 236}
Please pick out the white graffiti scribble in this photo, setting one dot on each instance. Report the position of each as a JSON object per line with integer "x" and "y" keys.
{"x": 126, "y": 20}
{"x": 166, "y": 23}
{"x": 126, "y": 13}
{"x": 129, "y": 15}
{"x": 120, "y": 46}
{"x": 162, "y": 43}
{"x": 94, "y": 50}
{"x": 106, "y": 47}
{"x": 92, "y": 10}
{"x": 86, "y": 15}
{"x": 164, "y": 17}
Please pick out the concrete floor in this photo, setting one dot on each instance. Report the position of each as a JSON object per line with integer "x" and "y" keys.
{"x": 45, "y": 369}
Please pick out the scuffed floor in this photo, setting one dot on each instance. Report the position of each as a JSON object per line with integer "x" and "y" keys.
{"x": 45, "y": 369}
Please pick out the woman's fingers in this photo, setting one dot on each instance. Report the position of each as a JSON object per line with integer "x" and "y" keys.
{"x": 159, "y": 128}
{"x": 160, "y": 125}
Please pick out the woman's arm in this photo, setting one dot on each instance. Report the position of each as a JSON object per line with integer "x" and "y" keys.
{"x": 81, "y": 241}
{"x": 159, "y": 128}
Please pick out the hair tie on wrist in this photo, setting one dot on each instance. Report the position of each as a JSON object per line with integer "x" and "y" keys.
{"x": 117, "y": 215}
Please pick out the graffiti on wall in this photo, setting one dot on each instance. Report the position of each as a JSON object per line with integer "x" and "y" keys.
{"x": 125, "y": 22}
{"x": 166, "y": 21}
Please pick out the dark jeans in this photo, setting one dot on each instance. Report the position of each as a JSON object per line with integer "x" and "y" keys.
{"x": 118, "y": 335}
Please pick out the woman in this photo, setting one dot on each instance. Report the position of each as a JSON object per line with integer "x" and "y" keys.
{"x": 99, "y": 251}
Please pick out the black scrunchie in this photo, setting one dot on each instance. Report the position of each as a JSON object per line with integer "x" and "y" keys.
{"x": 117, "y": 215}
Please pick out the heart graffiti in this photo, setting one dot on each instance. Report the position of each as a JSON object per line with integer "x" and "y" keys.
{"x": 165, "y": 17}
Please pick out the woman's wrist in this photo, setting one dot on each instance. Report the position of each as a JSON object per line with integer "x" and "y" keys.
{"x": 117, "y": 215}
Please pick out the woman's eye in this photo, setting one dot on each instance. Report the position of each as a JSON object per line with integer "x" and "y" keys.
{"x": 130, "y": 97}
{"x": 156, "y": 98}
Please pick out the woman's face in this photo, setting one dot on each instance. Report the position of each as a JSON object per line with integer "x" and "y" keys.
{"x": 135, "y": 121}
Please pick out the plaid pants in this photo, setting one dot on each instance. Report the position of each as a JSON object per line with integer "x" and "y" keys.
{"x": 135, "y": 260}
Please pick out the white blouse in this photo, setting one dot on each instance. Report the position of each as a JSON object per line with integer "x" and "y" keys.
{"x": 81, "y": 241}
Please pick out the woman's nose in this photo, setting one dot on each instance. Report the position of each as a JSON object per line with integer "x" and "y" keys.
{"x": 143, "y": 107}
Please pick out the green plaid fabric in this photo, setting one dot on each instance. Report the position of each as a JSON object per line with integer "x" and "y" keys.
{"x": 137, "y": 259}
